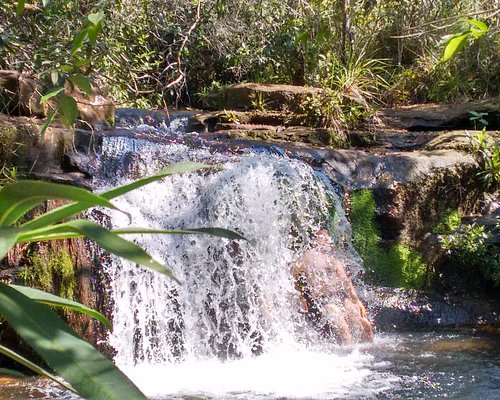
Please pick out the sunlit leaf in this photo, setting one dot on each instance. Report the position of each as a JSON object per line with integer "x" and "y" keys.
{"x": 56, "y": 301}
{"x": 51, "y": 93}
{"x": 78, "y": 363}
{"x": 68, "y": 110}
{"x": 82, "y": 82}
{"x": 8, "y": 238}
{"x": 96, "y": 17}
{"x": 480, "y": 25}
{"x": 54, "y": 76}
{"x": 18, "y": 198}
{"x": 454, "y": 46}
{"x": 35, "y": 368}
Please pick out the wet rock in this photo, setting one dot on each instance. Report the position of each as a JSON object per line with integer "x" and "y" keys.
{"x": 396, "y": 309}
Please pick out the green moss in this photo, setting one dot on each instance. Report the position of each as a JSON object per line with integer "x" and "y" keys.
{"x": 450, "y": 221}
{"x": 401, "y": 266}
{"x": 52, "y": 272}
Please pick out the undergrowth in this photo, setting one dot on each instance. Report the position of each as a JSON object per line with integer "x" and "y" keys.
{"x": 400, "y": 266}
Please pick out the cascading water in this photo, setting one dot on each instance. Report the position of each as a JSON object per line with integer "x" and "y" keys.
{"x": 234, "y": 327}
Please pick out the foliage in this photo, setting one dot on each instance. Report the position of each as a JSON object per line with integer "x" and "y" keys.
{"x": 486, "y": 150}
{"x": 450, "y": 221}
{"x": 400, "y": 266}
{"x": 146, "y": 46}
{"x": 471, "y": 249}
{"x": 83, "y": 368}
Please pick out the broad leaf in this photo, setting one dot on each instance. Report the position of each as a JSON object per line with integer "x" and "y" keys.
{"x": 480, "y": 25}
{"x": 20, "y": 6}
{"x": 78, "y": 363}
{"x": 18, "y": 198}
{"x": 68, "y": 110}
{"x": 82, "y": 82}
{"x": 95, "y": 18}
{"x": 35, "y": 368}
{"x": 93, "y": 32}
{"x": 56, "y": 301}
{"x": 54, "y": 76}
{"x": 454, "y": 46}
{"x": 47, "y": 122}
{"x": 220, "y": 232}
{"x": 104, "y": 238}
{"x": 51, "y": 93}
{"x": 78, "y": 41}
{"x": 69, "y": 210}
{"x": 8, "y": 238}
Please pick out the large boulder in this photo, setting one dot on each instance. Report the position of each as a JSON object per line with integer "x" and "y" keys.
{"x": 441, "y": 116}
{"x": 20, "y": 95}
{"x": 267, "y": 96}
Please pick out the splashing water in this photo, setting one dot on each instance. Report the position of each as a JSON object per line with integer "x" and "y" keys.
{"x": 233, "y": 328}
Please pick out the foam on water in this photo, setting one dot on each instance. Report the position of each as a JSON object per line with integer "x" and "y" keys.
{"x": 233, "y": 328}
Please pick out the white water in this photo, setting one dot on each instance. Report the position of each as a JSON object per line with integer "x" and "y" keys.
{"x": 232, "y": 329}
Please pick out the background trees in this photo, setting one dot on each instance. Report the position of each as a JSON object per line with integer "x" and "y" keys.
{"x": 147, "y": 44}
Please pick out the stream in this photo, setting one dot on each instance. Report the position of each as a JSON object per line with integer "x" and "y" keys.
{"x": 233, "y": 329}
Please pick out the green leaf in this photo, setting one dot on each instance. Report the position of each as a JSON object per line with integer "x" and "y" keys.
{"x": 220, "y": 232}
{"x": 106, "y": 239}
{"x": 20, "y": 6}
{"x": 18, "y": 198}
{"x": 8, "y": 238}
{"x": 46, "y": 2}
{"x": 82, "y": 82}
{"x": 454, "y": 46}
{"x": 479, "y": 25}
{"x": 54, "y": 76}
{"x": 56, "y": 301}
{"x": 51, "y": 93}
{"x": 63, "y": 212}
{"x": 35, "y": 368}
{"x": 96, "y": 17}
{"x": 68, "y": 110}
{"x": 93, "y": 32}
{"x": 81, "y": 62}
{"x": 48, "y": 121}
{"x": 92, "y": 375}
{"x": 78, "y": 41}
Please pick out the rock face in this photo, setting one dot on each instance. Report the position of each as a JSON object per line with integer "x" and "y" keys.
{"x": 20, "y": 94}
{"x": 394, "y": 309}
{"x": 441, "y": 116}
{"x": 244, "y": 96}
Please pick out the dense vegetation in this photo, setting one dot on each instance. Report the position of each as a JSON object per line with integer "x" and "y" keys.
{"x": 158, "y": 53}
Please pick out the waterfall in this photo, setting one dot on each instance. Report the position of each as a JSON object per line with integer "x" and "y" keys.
{"x": 233, "y": 328}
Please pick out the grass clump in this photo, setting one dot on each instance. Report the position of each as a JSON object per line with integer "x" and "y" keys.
{"x": 400, "y": 266}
